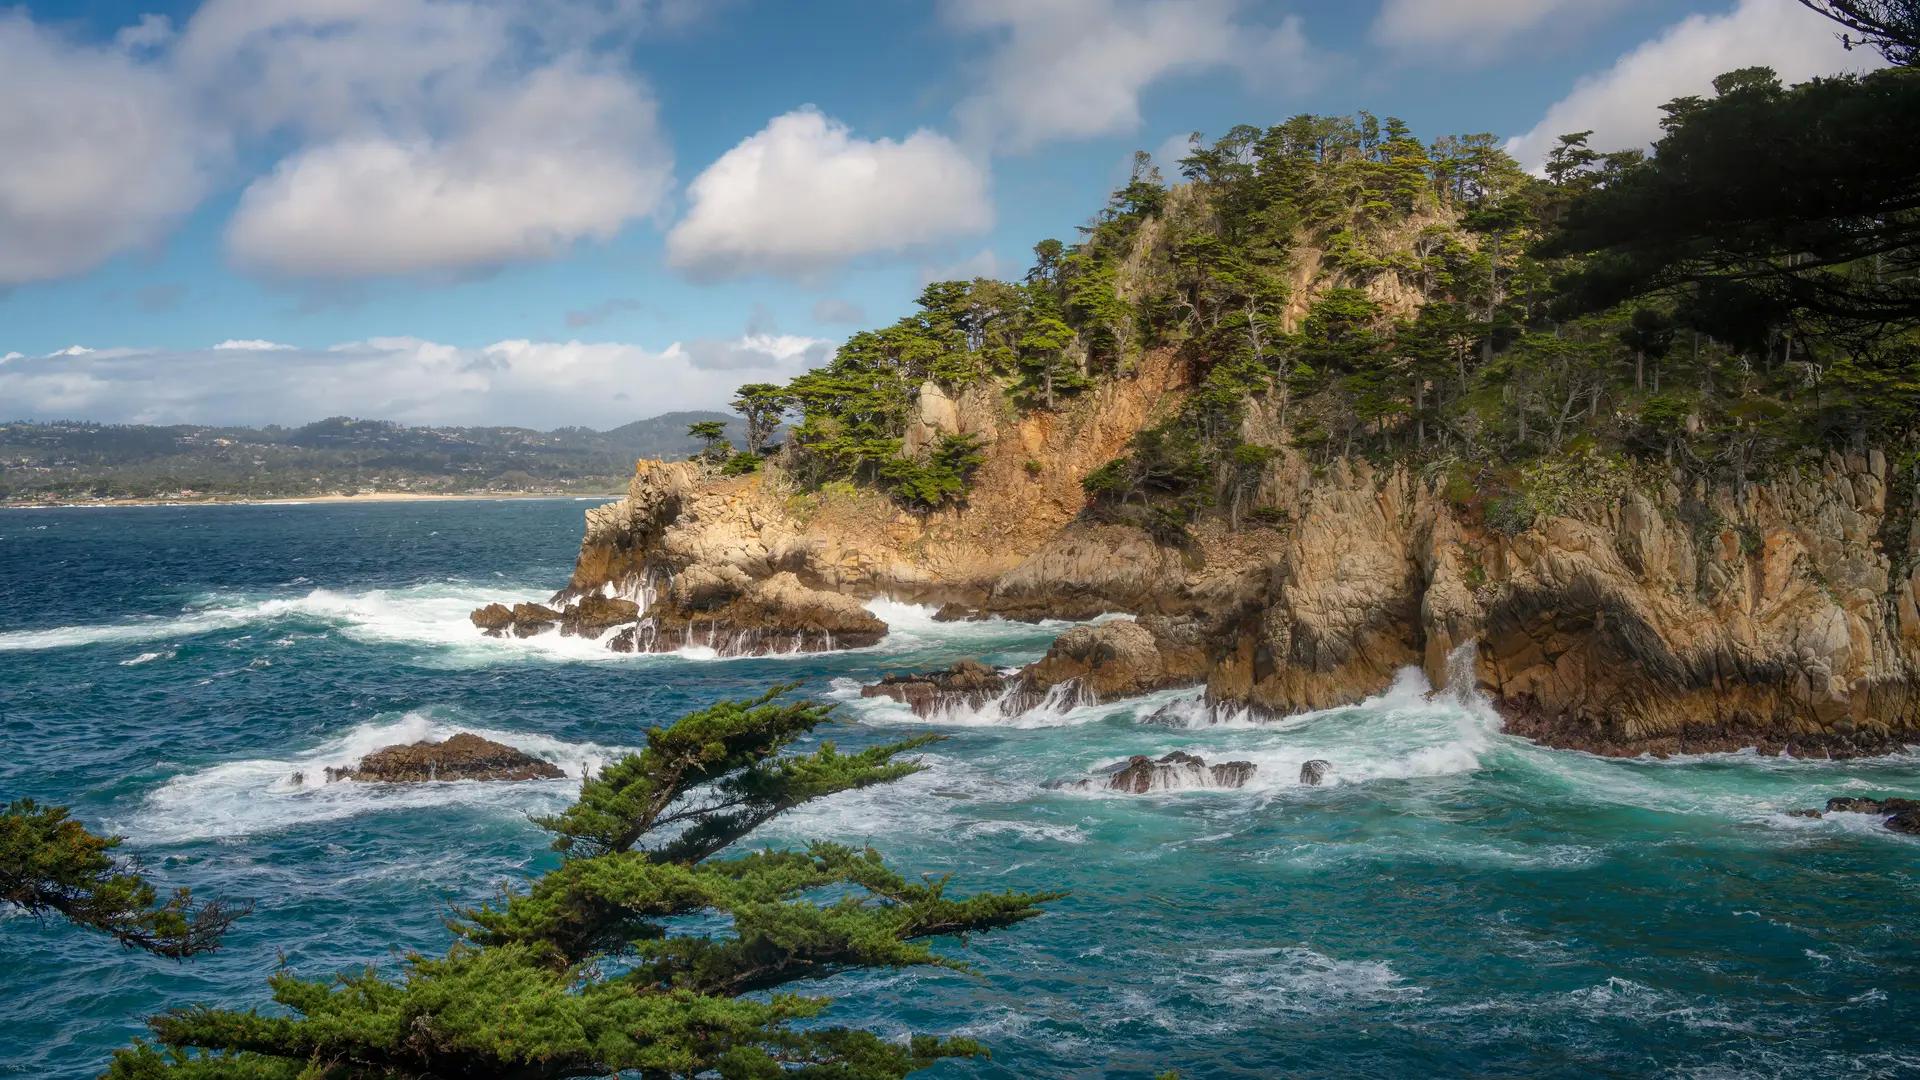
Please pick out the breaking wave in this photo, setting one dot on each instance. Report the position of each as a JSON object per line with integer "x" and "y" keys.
{"x": 259, "y": 795}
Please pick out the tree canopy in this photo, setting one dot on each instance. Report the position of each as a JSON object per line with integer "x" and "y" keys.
{"x": 51, "y": 863}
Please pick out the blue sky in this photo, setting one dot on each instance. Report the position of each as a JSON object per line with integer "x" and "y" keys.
{"x": 587, "y": 211}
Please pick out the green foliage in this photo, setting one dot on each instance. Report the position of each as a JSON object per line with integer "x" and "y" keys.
{"x": 940, "y": 480}
{"x": 713, "y": 434}
{"x": 1709, "y": 307}
{"x": 644, "y": 951}
{"x": 741, "y": 464}
{"x": 51, "y": 863}
{"x": 763, "y": 406}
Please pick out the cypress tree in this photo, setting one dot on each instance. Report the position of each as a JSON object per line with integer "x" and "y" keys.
{"x": 646, "y": 952}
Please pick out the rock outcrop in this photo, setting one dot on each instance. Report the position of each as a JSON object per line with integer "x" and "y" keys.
{"x": 1086, "y": 665}
{"x": 966, "y": 687}
{"x": 462, "y": 757}
{"x": 1649, "y": 614}
{"x": 1105, "y": 662}
{"x": 1899, "y": 815}
{"x": 1141, "y": 774}
{"x": 691, "y": 547}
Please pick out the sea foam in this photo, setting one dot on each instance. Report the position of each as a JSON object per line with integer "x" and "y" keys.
{"x": 259, "y": 795}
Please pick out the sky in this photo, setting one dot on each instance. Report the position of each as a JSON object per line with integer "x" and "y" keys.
{"x": 585, "y": 212}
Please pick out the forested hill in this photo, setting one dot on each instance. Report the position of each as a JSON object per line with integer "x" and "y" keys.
{"x": 66, "y": 460}
{"x": 1742, "y": 296}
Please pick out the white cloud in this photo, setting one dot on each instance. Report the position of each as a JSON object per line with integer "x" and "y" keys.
{"x": 1077, "y": 68}
{"x": 1474, "y": 29}
{"x": 12, "y": 356}
{"x": 804, "y": 194}
{"x": 418, "y": 135}
{"x": 1621, "y": 105}
{"x": 528, "y": 383}
{"x": 252, "y": 345}
{"x": 102, "y": 154}
{"x": 569, "y": 154}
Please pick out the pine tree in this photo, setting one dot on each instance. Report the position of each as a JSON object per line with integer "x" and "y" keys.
{"x": 51, "y": 863}
{"x": 611, "y": 963}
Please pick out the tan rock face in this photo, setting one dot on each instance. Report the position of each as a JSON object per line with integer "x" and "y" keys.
{"x": 1785, "y": 615}
{"x": 1109, "y": 661}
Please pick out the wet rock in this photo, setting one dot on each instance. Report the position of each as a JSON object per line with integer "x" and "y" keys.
{"x": 525, "y": 614}
{"x": 463, "y": 757}
{"x": 955, "y": 612}
{"x": 1902, "y": 815}
{"x": 494, "y": 618}
{"x": 966, "y": 686}
{"x": 1140, "y": 774}
{"x": 1312, "y": 772}
{"x": 1105, "y": 662}
{"x": 1872, "y": 806}
{"x": 592, "y": 614}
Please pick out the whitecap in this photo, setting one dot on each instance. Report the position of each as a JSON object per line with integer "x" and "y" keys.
{"x": 260, "y": 795}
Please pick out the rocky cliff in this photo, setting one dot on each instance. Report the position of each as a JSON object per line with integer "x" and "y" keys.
{"x": 1656, "y": 618}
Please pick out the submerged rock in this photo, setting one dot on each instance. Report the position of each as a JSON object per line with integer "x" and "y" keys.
{"x": 463, "y": 757}
{"x": 1140, "y": 774}
{"x": 1902, "y": 815}
{"x": 968, "y": 685}
{"x": 1872, "y": 806}
{"x": 1312, "y": 772}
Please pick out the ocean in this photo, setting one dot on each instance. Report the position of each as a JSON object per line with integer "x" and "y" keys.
{"x": 1453, "y": 902}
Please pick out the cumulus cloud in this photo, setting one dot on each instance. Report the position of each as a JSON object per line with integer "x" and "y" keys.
{"x": 528, "y": 383}
{"x": 414, "y": 135}
{"x": 569, "y": 154}
{"x": 804, "y": 194}
{"x": 1474, "y": 29}
{"x": 1077, "y": 68}
{"x": 1621, "y": 105}
{"x": 102, "y": 153}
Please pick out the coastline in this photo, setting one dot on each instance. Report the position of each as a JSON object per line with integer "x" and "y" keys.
{"x": 315, "y": 500}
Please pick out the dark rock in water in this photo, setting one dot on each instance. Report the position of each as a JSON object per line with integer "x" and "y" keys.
{"x": 956, "y": 613}
{"x": 593, "y": 614}
{"x": 1872, "y": 806}
{"x": 1312, "y": 772}
{"x": 494, "y": 618}
{"x": 462, "y": 757}
{"x": 1140, "y": 774}
{"x": 966, "y": 686}
{"x": 1902, "y": 815}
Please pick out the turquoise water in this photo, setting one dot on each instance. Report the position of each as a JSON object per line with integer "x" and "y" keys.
{"x": 1456, "y": 903}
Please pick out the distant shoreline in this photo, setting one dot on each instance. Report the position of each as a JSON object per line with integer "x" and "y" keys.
{"x": 298, "y": 500}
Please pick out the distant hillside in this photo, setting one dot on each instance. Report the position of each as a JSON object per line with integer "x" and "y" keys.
{"x": 68, "y": 460}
